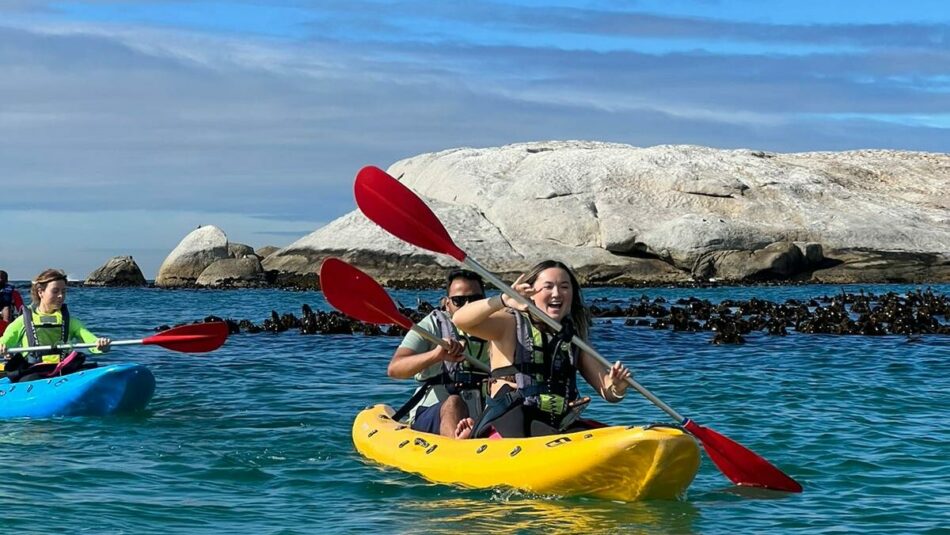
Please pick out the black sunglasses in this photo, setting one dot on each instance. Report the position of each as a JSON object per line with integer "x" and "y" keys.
{"x": 460, "y": 300}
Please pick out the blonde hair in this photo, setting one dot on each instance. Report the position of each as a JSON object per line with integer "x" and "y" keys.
{"x": 44, "y": 278}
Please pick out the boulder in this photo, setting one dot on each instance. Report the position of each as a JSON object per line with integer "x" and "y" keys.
{"x": 266, "y": 251}
{"x": 862, "y": 266}
{"x": 658, "y": 214}
{"x": 776, "y": 261}
{"x": 239, "y": 250}
{"x": 117, "y": 271}
{"x": 198, "y": 250}
{"x": 232, "y": 273}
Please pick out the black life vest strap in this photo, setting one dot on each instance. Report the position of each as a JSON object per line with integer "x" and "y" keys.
{"x": 419, "y": 394}
{"x": 527, "y": 368}
{"x": 504, "y": 401}
{"x": 458, "y": 381}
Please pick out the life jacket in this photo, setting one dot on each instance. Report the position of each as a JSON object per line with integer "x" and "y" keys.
{"x": 457, "y": 377}
{"x": 45, "y": 324}
{"x": 6, "y": 295}
{"x": 544, "y": 368}
{"x": 545, "y": 374}
{"x": 460, "y": 375}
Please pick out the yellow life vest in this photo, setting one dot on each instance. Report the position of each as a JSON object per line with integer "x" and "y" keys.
{"x": 46, "y": 330}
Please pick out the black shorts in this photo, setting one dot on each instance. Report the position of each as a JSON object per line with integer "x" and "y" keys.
{"x": 428, "y": 419}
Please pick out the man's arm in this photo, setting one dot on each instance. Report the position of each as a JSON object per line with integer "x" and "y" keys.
{"x": 416, "y": 354}
{"x": 406, "y": 362}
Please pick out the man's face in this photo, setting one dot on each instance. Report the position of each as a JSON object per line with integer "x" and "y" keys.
{"x": 463, "y": 290}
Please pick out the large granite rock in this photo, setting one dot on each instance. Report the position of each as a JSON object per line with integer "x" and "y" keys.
{"x": 239, "y": 250}
{"x": 232, "y": 273}
{"x": 196, "y": 251}
{"x": 117, "y": 271}
{"x": 622, "y": 214}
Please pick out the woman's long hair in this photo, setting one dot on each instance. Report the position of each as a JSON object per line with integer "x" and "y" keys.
{"x": 41, "y": 280}
{"x": 580, "y": 315}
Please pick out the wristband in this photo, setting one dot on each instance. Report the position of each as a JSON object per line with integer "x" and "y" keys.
{"x": 501, "y": 303}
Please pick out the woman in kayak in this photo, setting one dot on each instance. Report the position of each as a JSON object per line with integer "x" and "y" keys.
{"x": 533, "y": 370}
{"x": 46, "y": 322}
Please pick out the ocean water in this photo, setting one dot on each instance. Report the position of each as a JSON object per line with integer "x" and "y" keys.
{"x": 255, "y": 437}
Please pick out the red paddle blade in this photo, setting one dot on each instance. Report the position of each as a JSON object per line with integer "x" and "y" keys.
{"x": 195, "y": 338}
{"x": 740, "y": 464}
{"x": 394, "y": 207}
{"x": 357, "y": 295}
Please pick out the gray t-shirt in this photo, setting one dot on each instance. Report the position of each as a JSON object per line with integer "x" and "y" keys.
{"x": 418, "y": 344}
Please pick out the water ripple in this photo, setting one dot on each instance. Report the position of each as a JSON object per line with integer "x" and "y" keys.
{"x": 256, "y": 436}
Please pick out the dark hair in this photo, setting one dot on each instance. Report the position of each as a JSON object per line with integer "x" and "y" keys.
{"x": 44, "y": 278}
{"x": 464, "y": 274}
{"x": 580, "y": 315}
{"x": 3, "y": 277}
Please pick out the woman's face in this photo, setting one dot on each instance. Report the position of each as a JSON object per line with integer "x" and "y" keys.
{"x": 554, "y": 292}
{"x": 52, "y": 297}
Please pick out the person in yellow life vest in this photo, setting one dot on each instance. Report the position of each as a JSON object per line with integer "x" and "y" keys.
{"x": 46, "y": 322}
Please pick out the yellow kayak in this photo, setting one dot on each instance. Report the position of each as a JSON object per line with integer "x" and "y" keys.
{"x": 614, "y": 463}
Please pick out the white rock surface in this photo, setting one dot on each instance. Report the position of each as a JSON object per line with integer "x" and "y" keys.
{"x": 196, "y": 251}
{"x": 595, "y": 204}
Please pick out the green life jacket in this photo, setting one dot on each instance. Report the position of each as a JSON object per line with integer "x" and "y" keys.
{"x": 544, "y": 368}
{"x": 46, "y": 330}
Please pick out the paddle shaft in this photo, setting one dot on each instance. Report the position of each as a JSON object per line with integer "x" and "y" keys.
{"x": 554, "y": 324}
{"x": 62, "y": 347}
{"x": 440, "y": 342}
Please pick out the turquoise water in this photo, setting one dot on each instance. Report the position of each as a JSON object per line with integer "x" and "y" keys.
{"x": 255, "y": 438}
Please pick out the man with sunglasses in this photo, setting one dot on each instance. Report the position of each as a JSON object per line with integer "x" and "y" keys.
{"x": 451, "y": 391}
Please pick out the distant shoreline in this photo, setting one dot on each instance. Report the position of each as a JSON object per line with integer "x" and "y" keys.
{"x": 24, "y": 285}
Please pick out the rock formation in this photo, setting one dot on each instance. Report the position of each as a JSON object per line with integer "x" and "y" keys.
{"x": 117, "y": 271}
{"x": 264, "y": 252}
{"x": 196, "y": 251}
{"x": 621, "y": 214}
{"x": 232, "y": 273}
{"x": 239, "y": 250}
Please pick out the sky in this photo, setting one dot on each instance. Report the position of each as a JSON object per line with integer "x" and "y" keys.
{"x": 124, "y": 125}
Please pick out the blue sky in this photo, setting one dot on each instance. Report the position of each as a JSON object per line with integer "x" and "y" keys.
{"x": 124, "y": 125}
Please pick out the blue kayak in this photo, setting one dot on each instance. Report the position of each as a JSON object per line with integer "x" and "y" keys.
{"x": 113, "y": 389}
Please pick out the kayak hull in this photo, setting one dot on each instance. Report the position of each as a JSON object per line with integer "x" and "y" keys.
{"x": 113, "y": 389}
{"x": 614, "y": 463}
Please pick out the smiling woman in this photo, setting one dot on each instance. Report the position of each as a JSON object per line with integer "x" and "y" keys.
{"x": 534, "y": 371}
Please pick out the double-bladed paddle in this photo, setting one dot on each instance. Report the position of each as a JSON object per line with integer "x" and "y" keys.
{"x": 395, "y": 208}
{"x": 195, "y": 338}
{"x": 358, "y": 295}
